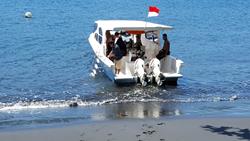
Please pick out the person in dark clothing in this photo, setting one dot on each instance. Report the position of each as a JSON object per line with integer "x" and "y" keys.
{"x": 116, "y": 55}
{"x": 166, "y": 48}
{"x": 138, "y": 45}
{"x": 120, "y": 43}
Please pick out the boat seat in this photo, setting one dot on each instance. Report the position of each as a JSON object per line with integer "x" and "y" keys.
{"x": 170, "y": 64}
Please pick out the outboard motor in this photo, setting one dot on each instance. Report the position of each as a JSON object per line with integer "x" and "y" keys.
{"x": 139, "y": 71}
{"x": 154, "y": 70}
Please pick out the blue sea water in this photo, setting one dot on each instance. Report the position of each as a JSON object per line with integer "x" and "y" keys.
{"x": 45, "y": 62}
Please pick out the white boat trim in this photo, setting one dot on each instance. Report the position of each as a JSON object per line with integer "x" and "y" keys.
{"x": 118, "y": 25}
{"x": 172, "y": 75}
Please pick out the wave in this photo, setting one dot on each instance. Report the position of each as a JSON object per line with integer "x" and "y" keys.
{"x": 24, "y": 105}
{"x": 21, "y": 105}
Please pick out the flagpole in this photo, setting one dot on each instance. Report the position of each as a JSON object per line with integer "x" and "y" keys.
{"x": 146, "y": 18}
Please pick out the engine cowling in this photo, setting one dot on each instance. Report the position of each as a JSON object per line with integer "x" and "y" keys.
{"x": 139, "y": 71}
{"x": 154, "y": 70}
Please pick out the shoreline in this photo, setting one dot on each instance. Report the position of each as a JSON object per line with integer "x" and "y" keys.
{"x": 190, "y": 129}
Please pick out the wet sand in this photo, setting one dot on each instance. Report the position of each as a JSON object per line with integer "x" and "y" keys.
{"x": 206, "y": 129}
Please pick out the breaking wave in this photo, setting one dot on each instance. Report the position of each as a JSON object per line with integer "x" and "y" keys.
{"x": 26, "y": 105}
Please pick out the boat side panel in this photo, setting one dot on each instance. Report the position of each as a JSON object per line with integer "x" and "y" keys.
{"x": 108, "y": 71}
{"x": 105, "y": 63}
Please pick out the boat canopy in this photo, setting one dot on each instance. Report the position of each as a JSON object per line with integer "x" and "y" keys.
{"x": 130, "y": 25}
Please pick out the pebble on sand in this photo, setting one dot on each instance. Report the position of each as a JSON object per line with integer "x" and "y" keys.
{"x": 74, "y": 104}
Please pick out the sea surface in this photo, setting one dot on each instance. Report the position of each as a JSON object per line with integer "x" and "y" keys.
{"x": 45, "y": 62}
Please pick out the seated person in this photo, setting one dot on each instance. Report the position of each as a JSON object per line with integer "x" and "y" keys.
{"x": 138, "y": 43}
{"x": 166, "y": 48}
{"x": 116, "y": 56}
{"x": 137, "y": 46}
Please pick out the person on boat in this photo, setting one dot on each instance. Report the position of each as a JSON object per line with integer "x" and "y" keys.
{"x": 166, "y": 48}
{"x": 138, "y": 45}
{"x": 109, "y": 38}
{"x": 120, "y": 43}
{"x": 116, "y": 55}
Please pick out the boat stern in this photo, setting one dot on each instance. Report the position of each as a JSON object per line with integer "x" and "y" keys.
{"x": 125, "y": 80}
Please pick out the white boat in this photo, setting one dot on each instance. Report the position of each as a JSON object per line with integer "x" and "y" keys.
{"x": 146, "y": 69}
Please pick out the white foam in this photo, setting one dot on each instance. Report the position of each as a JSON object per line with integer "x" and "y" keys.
{"x": 177, "y": 112}
{"x": 83, "y": 103}
{"x": 234, "y": 97}
{"x": 94, "y": 71}
{"x": 50, "y": 104}
{"x": 97, "y": 60}
{"x": 92, "y": 74}
{"x": 96, "y": 66}
{"x": 216, "y": 99}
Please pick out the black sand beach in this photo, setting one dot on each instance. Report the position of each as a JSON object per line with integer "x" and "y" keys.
{"x": 207, "y": 129}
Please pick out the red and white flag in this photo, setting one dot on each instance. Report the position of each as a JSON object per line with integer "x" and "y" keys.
{"x": 153, "y": 11}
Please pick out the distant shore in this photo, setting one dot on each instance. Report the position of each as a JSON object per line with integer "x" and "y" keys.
{"x": 202, "y": 129}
